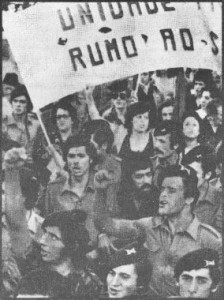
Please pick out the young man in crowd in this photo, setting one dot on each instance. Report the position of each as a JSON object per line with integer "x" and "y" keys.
{"x": 10, "y": 82}
{"x": 212, "y": 123}
{"x": 201, "y": 81}
{"x": 19, "y": 126}
{"x": 63, "y": 119}
{"x": 171, "y": 234}
{"x": 63, "y": 274}
{"x": 165, "y": 111}
{"x": 197, "y": 274}
{"x": 145, "y": 94}
{"x": 165, "y": 143}
{"x": 137, "y": 197}
{"x": 128, "y": 272}
{"x": 210, "y": 198}
{"x": 76, "y": 190}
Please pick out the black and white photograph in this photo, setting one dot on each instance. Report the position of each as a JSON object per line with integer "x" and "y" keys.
{"x": 112, "y": 150}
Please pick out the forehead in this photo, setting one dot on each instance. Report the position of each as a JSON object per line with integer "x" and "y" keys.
{"x": 190, "y": 120}
{"x": 128, "y": 269}
{"x": 206, "y": 93}
{"x": 174, "y": 182}
{"x": 145, "y": 114}
{"x": 167, "y": 109}
{"x": 203, "y": 272}
{"x": 142, "y": 172}
{"x": 53, "y": 230}
{"x": 77, "y": 150}
{"x": 62, "y": 111}
{"x": 21, "y": 97}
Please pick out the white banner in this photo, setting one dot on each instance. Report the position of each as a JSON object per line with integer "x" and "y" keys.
{"x": 61, "y": 47}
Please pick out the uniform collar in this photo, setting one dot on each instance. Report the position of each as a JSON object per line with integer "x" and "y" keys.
{"x": 11, "y": 120}
{"x": 191, "y": 228}
{"x": 89, "y": 187}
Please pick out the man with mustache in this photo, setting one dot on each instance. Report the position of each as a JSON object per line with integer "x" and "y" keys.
{"x": 137, "y": 197}
{"x": 74, "y": 191}
{"x": 165, "y": 143}
{"x": 171, "y": 234}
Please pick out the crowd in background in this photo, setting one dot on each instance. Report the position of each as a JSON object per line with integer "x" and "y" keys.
{"x": 125, "y": 194}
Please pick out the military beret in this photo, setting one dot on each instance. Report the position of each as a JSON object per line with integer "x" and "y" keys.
{"x": 130, "y": 254}
{"x": 195, "y": 260}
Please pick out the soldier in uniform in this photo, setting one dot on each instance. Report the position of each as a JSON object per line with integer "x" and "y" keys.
{"x": 174, "y": 232}
{"x": 128, "y": 272}
{"x": 197, "y": 274}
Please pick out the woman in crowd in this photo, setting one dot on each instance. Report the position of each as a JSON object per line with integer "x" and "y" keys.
{"x": 192, "y": 137}
{"x": 139, "y": 138}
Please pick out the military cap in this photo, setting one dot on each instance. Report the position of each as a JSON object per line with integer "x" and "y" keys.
{"x": 195, "y": 260}
{"x": 11, "y": 79}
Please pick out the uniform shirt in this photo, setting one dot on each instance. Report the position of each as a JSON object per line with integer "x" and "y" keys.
{"x": 46, "y": 282}
{"x": 24, "y": 135}
{"x": 208, "y": 204}
{"x": 60, "y": 196}
{"x": 164, "y": 248}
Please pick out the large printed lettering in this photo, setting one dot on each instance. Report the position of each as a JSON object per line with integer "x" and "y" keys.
{"x": 169, "y": 39}
{"x": 77, "y": 58}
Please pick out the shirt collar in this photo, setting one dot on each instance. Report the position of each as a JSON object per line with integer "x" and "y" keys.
{"x": 11, "y": 120}
{"x": 191, "y": 228}
{"x": 89, "y": 188}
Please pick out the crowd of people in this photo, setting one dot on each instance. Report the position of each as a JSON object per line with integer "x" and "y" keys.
{"x": 124, "y": 199}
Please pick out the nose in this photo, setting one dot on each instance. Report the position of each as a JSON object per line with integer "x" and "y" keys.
{"x": 43, "y": 239}
{"x": 147, "y": 179}
{"x": 115, "y": 281}
{"x": 193, "y": 287}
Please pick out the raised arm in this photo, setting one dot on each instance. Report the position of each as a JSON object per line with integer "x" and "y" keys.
{"x": 103, "y": 221}
{"x": 93, "y": 111}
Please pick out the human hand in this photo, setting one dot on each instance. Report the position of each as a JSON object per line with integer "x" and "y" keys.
{"x": 102, "y": 179}
{"x": 105, "y": 244}
{"x": 88, "y": 93}
{"x": 15, "y": 158}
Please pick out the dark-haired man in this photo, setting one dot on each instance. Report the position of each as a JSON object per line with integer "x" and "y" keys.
{"x": 63, "y": 273}
{"x": 171, "y": 234}
{"x": 210, "y": 197}
{"x": 165, "y": 143}
{"x": 197, "y": 274}
{"x": 19, "y": 126}
{"x": 76, "y": 190}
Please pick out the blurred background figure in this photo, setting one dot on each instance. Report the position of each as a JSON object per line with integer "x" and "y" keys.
{"x": 10, "y": 82}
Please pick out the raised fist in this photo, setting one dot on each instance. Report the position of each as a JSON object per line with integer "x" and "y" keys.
{"x": 103, "y": 179}
{"x": 15, "y": 158}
